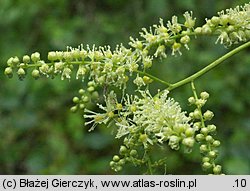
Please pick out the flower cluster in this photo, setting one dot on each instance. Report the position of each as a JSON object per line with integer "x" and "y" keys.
{"x": 143, "y": 121}
{"x": 107, "y": 67}
{"x": 232, "y": 25}
{"x": 208, "y": 144}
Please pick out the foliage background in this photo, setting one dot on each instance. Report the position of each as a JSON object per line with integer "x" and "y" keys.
{"x": 38, "y": 134}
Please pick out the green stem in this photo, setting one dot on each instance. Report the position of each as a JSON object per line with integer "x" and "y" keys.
{"x": 208, "y": 68}
{"x": 153, "y": 78}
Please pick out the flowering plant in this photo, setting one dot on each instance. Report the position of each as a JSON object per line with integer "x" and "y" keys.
{"x": 142, "y": 120}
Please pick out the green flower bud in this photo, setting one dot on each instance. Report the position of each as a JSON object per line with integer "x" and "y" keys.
{"x": 15, "y": 61}
{"x": 198, "y": 30}
{"x": 118, "y": 168}
{"x": 205, "y": 159}
{"x": 133, "y": 153}
{"x": 203, "y": 148}
{"x": 204, "y": 95}
{"x": 26, "y": 59}
{"x": 206, "y": 30}
{"x": 81, "y": 106}
{"x": 209, "y": 139}
{"x": 204, "y": 131}
{"x": 191, "y": 100}
{"x": 189, "y": 132}
{"x": 35, "y": 56}
{"x": 212, "y": 154}
{"x": 206, "y": 165}
{"x": 81, "y": 91}
{"x": 123, "y": 150}
{"x": 35, "y": 74}
{"x": 95, "y": 95}
{"x": 211, "y": 128}
{"x": 73, "y": 109}
{"x": 217, "y": 169}
{"x": 91, "y": 89}
{"x": 122, "y": 162}
{"x": 216, "y": 143}
{"x": 112, "y": 164}
{"x": 75, "y": 100}
{"x": 52, "y": 56}
{"x": 215, "y": 20}
{"x": 199, "y": 137}
{"x": 147, "y": 80}
{"x": 174, "y": 142}
{"x": 185, "y": 39}
{"x": 143, "y": 138}
{"x": 196, "y": 114}
{"x": 85, "y": 99}
{"x": 116, "y": 158}
{"x": 189, "y": 142}
{"x": 8, "y": 72}
{"x": 21, "y": 73}
{"x": 10, "y": 61}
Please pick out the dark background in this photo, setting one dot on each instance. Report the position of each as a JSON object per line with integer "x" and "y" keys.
{"x": 39, "y": 135}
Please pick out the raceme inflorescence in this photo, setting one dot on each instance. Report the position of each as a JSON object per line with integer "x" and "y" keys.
{"x": 142, "y": 120}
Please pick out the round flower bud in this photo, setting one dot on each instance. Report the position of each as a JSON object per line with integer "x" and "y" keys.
{"x": 204, "y": 95}
{"x": 196, "y": 114}
{"x": 123, "y": 150}
{"x": 85, "y": 99}
{"x": 191, "y": 100}
{"x": 211, "y": 128}
{"x": 147, "y": 80}
{"x": 189, "y": 142}
{"x": 204, "y": 130}
{"x": 133, "y": 108}
{"x": 8, "y": 72}
{"x": 209, "y": 139}
{"x": 81, "y": 106}
{"x": 91, "y": 89}
{"x": 75, "y": 99}
{"x": 206, "y": 165}
{"x": 118, "y": 168}
{"x": 189, "y": 132}
{"x": 122, "y": 162}
{"x": 35, "y": 74}
{"x": 198, "y": 30}
{"x": 81, "y": 91}
{"x": 21, "y": 73}
{"x": 185, "y": 39}
{"x": 15, "y": 60}
{"x": 215, "y": 20}
{"x": 205, "y": 159}
{"x": 212, "y": 154}
{"x": 10, "y": 61}
{"x": 73, "y": 109}
{"x": 143, "y": 138}
{"x": 206, "y": 30}
{"x": 199, "y": 137}
{"x": 116, "y": 158}
{"x": 26, "y": 59}
{"x": 112, "y": 164}
{"x": 174, "y": 142}
{"x": 95, "y": 95}
{"x": 217, "y": 169}
{"x": 133, "y": 153}
{"x": 52, "y": 56}
{"x": 35, "y": 56}
{"x": 216, "y": 143}
{"x": 203, "y": 148}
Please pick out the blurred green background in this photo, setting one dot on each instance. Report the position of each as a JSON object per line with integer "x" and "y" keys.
{"x": 38, "y": 134}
